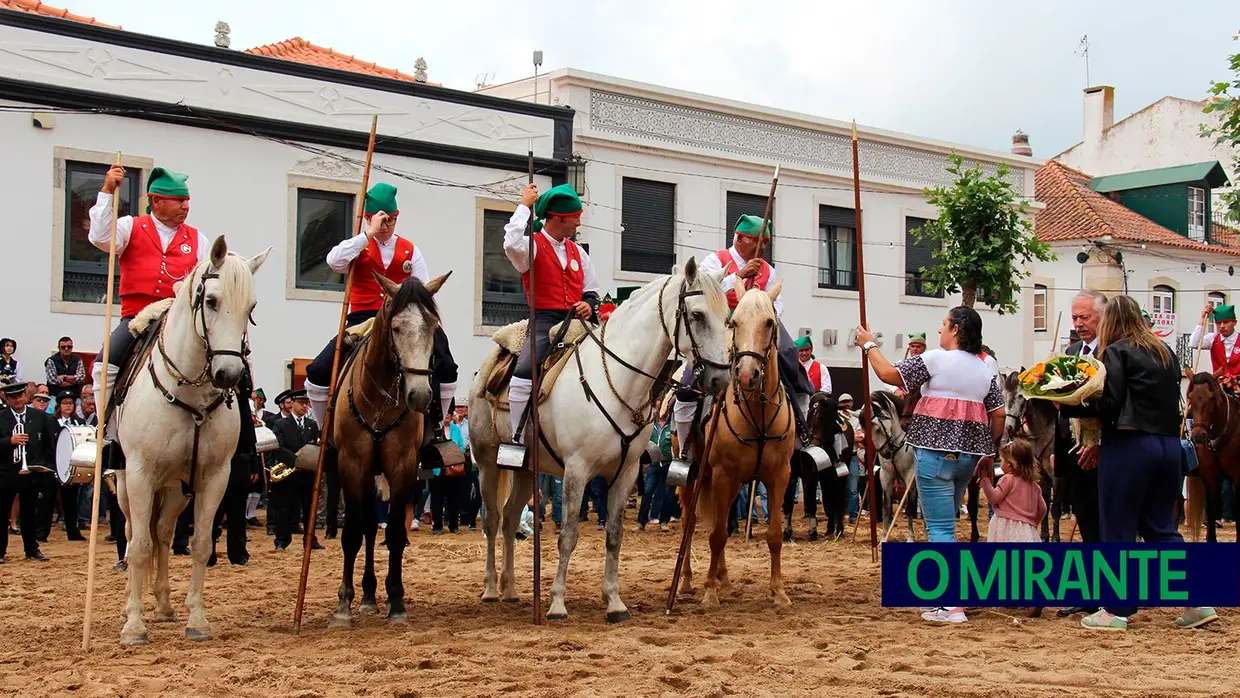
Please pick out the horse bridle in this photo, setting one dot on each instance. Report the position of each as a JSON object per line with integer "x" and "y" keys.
{"x": 759, "y": 423}
{"x": 891, "y": 445}
{"x": 378, "y": 434}
{"x": 1228, "y": 428}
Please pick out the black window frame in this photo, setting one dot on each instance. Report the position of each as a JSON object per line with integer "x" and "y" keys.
{"x": 499, "y": 307}
{"x": 88, "y": 273}
{"x": 648, "y": 221}
{"x": 349, "y": 201}
{"x": 832, "y": 220}
{"x": 738, "y": 204}
{"x": 917, "y": 256}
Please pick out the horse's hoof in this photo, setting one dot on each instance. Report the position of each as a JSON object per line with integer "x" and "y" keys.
{"x": 511, "y": 599}
{"x": 136, "y": 639}
{"x": 369, "y": 608}
{"x": 398, "y": 618}
{"x": 168, "y": 617}
{"x": 197, "y": 635}
{"x": 338, "y": 621}
{"x": 782, "y": 603}
{"x": 618, "y": 616}
{"x": 557, "y": 616}
{"x": 711, "y": 599}
{"x": 493, "y": 598}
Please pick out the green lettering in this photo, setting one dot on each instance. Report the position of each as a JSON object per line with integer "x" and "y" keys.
{"x": 1143, "y": 558}
{"x": 1037, "y": 577}
{"x": 1102, "y": 568}
{"x": 1166, "y": 575}
{"x": 913, "y": 584}
{"x": 971, "y": 577}
{"x": 1014, "y": 586}
{"x": 1075, "y": 566}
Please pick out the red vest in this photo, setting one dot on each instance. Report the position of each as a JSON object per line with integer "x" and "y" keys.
{"x": 729, "y": 267}
{"x": 147, "y": 271}
{"x": 815, "y": 375}
{"x": 1224, "y": 365}
{"x": 559, "y": 288}
{"x": 365, "y": 293}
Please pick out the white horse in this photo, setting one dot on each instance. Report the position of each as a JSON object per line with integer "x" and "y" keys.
{"x": 894, "y": 456}
{"x": 182, "y": 400}
{"x": 685, "y": 313}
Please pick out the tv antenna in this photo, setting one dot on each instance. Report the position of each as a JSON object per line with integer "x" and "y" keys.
{"x": 483, "y": 80}
{"x": 1082, "y": 49}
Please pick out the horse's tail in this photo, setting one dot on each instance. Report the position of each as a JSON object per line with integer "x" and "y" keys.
{"x": 1195, "y": 506}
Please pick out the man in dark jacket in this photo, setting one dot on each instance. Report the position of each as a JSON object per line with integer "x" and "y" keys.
{"x": 37, "y": 436}
{"x": 243, "y": 473}
{"x": 291, "y": 496}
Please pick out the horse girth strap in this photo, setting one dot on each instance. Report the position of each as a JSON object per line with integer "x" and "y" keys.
{"x": 200, "y": 416}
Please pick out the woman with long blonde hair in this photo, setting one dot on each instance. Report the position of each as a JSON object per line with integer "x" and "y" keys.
{"x": 1139, "y": 459}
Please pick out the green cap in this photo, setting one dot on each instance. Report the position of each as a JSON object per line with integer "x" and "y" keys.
{"x": 916, "y": 337}
{"x": 804, "y": 342}
{"x": 556, "y": 201}
{"x": 165, "y": 182}
{"x": 1225, "y": 312}
{"x": 259, "y": 392}
{"x": 750, "y": 225}
{"x": 1146, "y": 315}
{"x": 381, "y": 197}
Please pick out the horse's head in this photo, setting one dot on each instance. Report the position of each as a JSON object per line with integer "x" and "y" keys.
{"x": 1014, "y": 403}
{"x": 755, "y": 337}
{"x": 221, "y": 299}
{"x": 887, "y": 409}
{"x": 824, "y": 417}
{"x": 411, "y": 317}
{"x": 696, "y": 323}
{"x": 1209, "y": 406}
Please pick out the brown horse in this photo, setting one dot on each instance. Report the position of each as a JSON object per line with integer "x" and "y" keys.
{"x": 824, "y": 425}
{"x": 755, "y": 439}
{"x": 378, "y": 431}
{"x": 1216, "y": 416}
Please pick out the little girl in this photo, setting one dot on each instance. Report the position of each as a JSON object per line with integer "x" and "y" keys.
{"x": 1017, "y": 499}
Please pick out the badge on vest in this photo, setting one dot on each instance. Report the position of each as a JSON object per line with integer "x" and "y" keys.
{"x": 185, "y": 248}
{"x": 572, "y": 264}
{"x": 407, "y": 267}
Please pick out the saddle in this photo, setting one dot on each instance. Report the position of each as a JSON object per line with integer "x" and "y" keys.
{"x": 145, "y": 327}
{"x": 496, "y": 372}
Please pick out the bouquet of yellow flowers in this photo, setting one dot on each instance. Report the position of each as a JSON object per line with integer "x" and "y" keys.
{"x": 1069, "y": 380}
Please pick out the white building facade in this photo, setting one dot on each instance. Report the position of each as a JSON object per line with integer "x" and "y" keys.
{"x": 666, "y": 174}
{"x": 274, "y": 153}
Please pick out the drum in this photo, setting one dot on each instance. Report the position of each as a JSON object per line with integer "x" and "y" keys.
{"x": 265, "y": 440}
{"x": 75, "y": 455}
{"x": 308, "y": 458}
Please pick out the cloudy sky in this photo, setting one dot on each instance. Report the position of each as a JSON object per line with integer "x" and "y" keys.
{"x": 966, "y": 71}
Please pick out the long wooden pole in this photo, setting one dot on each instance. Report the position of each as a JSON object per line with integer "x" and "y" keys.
{"x": 865, "y": 361}
{"x": 102, "y": 402}
{"x": 1055, "y": 337}
{"x": 533, "y": 440}
{"x": 329, "y": 413}
{"x": 1195, "y": 533}
{"x": 753, "y": 496}
{"x": 766, "y": 223}
{"x": 688, "y": 517}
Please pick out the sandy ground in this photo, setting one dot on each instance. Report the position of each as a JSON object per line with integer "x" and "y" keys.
{"x": 836, "y": 640}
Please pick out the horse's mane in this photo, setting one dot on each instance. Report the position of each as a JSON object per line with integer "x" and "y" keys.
{"x": 711, "y": 291}
{"x": 886, "y": 405}
{"x": 1204, "y": 379}
{"x": 413, "y": 291}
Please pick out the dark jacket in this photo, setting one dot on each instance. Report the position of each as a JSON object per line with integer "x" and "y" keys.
{"x": 291, "y": 438}
{"x": 41, "y": 450}
{"x": 1066, "y": 458}
{"x": 1141, "y": 392}
{"x": 245, "y": 462}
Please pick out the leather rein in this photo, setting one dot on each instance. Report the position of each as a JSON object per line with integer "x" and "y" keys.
{"x": 393, "y": 396}
{"x": 757, "y": 422}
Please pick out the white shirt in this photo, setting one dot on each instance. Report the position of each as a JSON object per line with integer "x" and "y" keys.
{"x": 826, "y": 375}
{"x": 516, "y": 248}
{"x": 348, "y": 250}
{"x": 101, "y": 229}
{"x": 1229, "y": 343}
{"x": 712, "y": 263}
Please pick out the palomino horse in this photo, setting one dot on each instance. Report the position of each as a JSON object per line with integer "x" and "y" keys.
{"x": 597, "y": 421}
{"x": 378, "y": 432}
{"x": 178, "y": 433}
{"x": 1035, "y": 420}
{"x": 894, "y": 456}
{"x": 1216, "y": 416}
{"x": 823, "y": 421}
{"x": 756, "y": 439}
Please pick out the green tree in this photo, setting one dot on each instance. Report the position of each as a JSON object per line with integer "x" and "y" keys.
{"x": 983, "y": 238}
{"x": 1224, "y": 100}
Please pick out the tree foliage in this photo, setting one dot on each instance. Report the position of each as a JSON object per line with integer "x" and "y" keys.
{"x": 983, "y": 240}
{"x": 1224, "y": 100}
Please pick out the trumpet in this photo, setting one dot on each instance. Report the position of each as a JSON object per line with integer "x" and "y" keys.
{"x": 19, "y": 453}
{"x": 280, "y": 471}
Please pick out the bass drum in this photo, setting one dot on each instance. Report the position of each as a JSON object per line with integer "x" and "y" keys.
{"x": 75, "y": 455}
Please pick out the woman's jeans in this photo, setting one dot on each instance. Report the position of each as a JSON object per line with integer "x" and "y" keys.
{"x": 656, "y": 489}
{"x": 942, "y": 478}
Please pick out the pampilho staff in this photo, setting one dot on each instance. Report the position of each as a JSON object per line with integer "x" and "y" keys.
{"x": 535, "y": 370}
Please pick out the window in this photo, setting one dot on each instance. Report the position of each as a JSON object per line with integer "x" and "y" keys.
{"x": 1215, "y": 299}
{"x": 503, "y": 296}
{"x": 1039, "y": 308}
{"x": 648, "y": 214}
{"x": 917, "y": 256}
{"x": 324, "y": 218}
{"x": 753, "y": 205}
{"x": 86, "y": 266}
{"x": 837, "y": 248}
{"x": 1197, "y": 214}
{"x": 1162, "y": 300}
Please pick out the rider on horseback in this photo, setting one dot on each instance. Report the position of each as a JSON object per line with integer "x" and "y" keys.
{"x": 382, "y": 251}
{"x": 741, "y": 265}
{"x": 1224, "y": 357}
{"x": 566, "y": 283}
{"x": 153, "y": 251}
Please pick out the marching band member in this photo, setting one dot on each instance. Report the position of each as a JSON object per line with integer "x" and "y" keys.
{"x": 1224, "y": 358}
{"x": 566, "y": 283}
{"x": 290, "y": 498}
{"x": 382, "y": 251}
{"x": 33, "y": 444}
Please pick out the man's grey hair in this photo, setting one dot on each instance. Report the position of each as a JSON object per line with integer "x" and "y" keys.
{"x": 1099, "y": 299}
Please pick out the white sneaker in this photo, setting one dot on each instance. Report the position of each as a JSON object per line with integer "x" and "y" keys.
{"x": 414, "y": 526}
{"x": 945, "y": 615}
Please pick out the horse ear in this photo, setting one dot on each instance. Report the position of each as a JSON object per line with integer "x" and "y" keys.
{"x": 691, "y": 269}
{"x": 257, "y": 261}
{"x": 774, "y": 291}
{"x": 434, "y": 284}
{"x": 219, "y": 250}
{"x": 389, "y": 287}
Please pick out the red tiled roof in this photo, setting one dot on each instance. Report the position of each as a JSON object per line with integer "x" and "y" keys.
{"x": 1076, "y": 212}
{"x": 302, "y": 51}
{"x": 40, "y": 8}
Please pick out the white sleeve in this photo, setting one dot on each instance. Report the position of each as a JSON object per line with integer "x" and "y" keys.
{"x": 711, "y": 263}
{"x": 204, "y": 247}
{"x": 826, "y": 377}
{"x": 590, "y": 280}
{"x": 516, "y": 245}
{"x": 101, "y": 225}
{"x": 779, "y": 302}
{"x": 346, "y": 251}
{"x": 419, "y": 271}
{"x": 1206, "y": 342}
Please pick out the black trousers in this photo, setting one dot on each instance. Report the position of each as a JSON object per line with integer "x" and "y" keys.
{"x": 47, "y": 487}
{"x": 448, "y": 499}
{"x": 1083, "y": 493}
{"x": 69, "y": 495}
{"x": 26, "y": 493}
{"x": 232, "y": 511}
{"x": 120, "y": 344}
{"x": 116, "y": 521}
{"x": 291, "y": 500}
{"x": 544, "y": 320}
